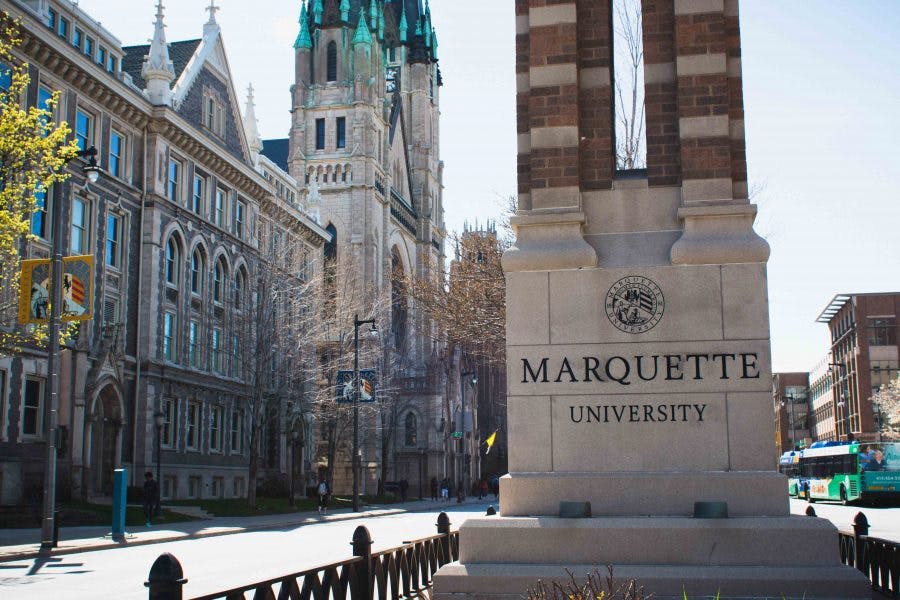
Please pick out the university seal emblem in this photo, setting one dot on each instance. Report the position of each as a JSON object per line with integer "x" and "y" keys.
{"x": 634, "y": 304}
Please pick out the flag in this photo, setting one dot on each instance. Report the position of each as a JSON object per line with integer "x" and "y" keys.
{"x": 490, "y": 442}
{"x": 366, "y": 391}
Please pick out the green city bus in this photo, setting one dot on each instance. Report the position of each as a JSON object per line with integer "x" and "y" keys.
{"x": 789, "y": 466}
{"x": 848, "y": 472}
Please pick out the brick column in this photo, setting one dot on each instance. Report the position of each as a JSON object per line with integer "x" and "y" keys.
{"x": 595, "y": 95}
{"x": 661, "y": 93}
{"x": 553, "y": 104}
{"x": 718, "y": 218}
{"x": 549, "y": 222}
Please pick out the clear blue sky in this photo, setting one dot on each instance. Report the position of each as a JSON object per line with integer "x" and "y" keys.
{"x": 822, "y": 98}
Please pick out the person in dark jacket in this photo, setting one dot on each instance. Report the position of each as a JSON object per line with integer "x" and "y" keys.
{"x": 151, "y": 497}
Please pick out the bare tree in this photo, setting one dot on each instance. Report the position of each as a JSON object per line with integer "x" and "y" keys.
{"x": 888, "y": 401}
{"x": 628, "y": 63}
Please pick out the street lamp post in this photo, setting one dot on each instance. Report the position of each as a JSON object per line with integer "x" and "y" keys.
{"x": 356, "y": 458}
{"x": 159, "y": 418}
{"x": 92, "y": 171}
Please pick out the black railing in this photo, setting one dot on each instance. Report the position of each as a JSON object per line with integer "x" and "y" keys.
{"x": 396, "y": 574}
{"x": 877, "y": 559}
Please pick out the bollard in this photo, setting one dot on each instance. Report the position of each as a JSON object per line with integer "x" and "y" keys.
{"x": 490, "y": 511}
{"x": 860, "y": 529}
{"x": 811, "y": 512}
{"x": 443, "y": 529}
{"x": 166, "y": 579}
{"x": 362, "y": 546}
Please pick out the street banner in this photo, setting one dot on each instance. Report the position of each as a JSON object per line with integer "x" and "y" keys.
{"x": 344, "y": 386}
{"x": 34, "y": 289}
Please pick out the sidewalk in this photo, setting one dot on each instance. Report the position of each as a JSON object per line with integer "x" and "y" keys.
{"x": 17, "y": 544}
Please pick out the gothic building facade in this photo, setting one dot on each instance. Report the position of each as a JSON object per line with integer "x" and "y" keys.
{"x": 178, "y": 226}
{"x": 363, "y": 146}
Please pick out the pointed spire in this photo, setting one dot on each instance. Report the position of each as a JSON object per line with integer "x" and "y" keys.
{"x": 373, "y": 16}
{"x": 251, "y": 127}
{"x": 362, "y": 35}
{"x": 158, "y": 71}
{"x": 434, "y": 44}
{"x": 317, "y": 11}
{"x": 404, "y": 25}
{"x": 428, "y": 28}
{"x": 345, "y": 11}
{"x": 304, "y": 40}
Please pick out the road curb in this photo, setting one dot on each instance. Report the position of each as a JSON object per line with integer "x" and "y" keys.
{"x": 200, "y": 535}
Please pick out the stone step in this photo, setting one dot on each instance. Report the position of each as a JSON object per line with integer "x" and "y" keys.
{"x": 743, "y": 541}
{"x": 512, "y": 581}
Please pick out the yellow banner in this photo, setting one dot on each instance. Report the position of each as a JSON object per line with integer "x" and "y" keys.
{"x": 78, "y": 289}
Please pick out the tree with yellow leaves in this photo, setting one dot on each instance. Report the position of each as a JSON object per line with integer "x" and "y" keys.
{"x": 34, "y": 152}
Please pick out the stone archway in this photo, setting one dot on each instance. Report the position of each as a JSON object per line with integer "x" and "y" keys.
{"x": 105, "y": 431}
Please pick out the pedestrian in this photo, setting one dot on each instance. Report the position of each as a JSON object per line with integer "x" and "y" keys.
{"x": 434, "y": 488}
{"x": 151, "y": 497}
{"x": 323, "y": 491}
{"x": 445, "y": 490}
{"x": 482, "y": 489}
{"x": 404, "y": 485}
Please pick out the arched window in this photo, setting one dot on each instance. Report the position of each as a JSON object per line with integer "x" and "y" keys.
{"x": 218, "y": 281}
{"x": 331, "y": 53}
{"x": 240, "y": 285}
{"x": 172, "y": 262}
{"x": 197, "y": 272}
{"x": 410, "y": 437}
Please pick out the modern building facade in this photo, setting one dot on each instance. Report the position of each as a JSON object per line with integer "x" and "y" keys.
{"x": 178, "y": 225}
{"x": 863, "y": 357}
{"x": 790, "y": 396}
{"x": 364, "y": 149}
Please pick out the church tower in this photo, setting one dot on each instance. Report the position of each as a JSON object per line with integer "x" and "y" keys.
{"x": 363, "y": 146}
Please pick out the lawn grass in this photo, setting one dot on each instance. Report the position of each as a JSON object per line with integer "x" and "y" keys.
{"x": 76, "y": 514}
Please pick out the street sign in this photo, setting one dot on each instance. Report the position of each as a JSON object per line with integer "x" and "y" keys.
{"x": 344, "y": 386}
{"x": 457, "y": 434}
{"x": 34, "y": 289}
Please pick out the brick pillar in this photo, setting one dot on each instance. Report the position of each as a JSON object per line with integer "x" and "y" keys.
{"x": 717, "y": 217}
{"x": 661, "y": 93}
{"x": 553, "y": 105}
{"x": 595, "y": 95}
{"x": 549, "y": 222}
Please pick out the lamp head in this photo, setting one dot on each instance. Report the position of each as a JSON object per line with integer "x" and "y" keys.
{"x": 374, "y": 333}
{"x": 91, "y": 169}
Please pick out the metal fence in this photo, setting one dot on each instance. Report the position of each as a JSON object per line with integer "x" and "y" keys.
{"x": 877, "y": 559}
{"x": 396, "y": 574}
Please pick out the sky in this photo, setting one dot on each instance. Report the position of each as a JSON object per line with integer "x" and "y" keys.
{"x": 821, "y": 96}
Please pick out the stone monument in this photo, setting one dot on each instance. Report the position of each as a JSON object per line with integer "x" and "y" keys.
{"x": 638, "y": 355}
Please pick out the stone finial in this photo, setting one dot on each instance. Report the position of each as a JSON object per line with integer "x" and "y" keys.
{"x": 304, "y": 39}
{"x": 317, "y": 11}
{"x": 158, "y": 71}
{"x": 404, "y": 25}
{"x": 251, "y": 127}
{"x": 362, "y": 35}
{"x": 211, "y": 25}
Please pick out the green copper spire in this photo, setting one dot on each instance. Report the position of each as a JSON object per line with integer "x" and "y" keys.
{"x": 303, "y": 38}
{"x": 373, "y": 16}
{"x": 317, "y": 12}
{"x": 404, "y": 25}
{"x": 345, "y": 10}
{"x": 434, "y": 44}
{"x": 362, "y": 35}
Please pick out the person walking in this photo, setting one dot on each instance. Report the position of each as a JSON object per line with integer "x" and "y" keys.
{"x": 434, "y": 488}
{"x": 323, "y": 492}
{"x": 445, "y": 490}
{"x": 151, "y": 497}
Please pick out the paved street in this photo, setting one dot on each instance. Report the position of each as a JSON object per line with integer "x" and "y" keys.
{"x": 215, "y": 563}
{"x": 884, "y": 521}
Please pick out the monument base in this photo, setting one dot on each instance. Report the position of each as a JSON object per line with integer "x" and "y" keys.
{"x": 744, "y": 557}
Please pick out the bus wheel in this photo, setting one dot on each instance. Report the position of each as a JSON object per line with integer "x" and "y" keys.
{"x": 844, "y": 501}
